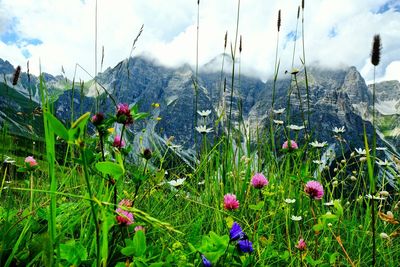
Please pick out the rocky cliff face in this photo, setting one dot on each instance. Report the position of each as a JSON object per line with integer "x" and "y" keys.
{"x": 335, "y": 98}
{"x": 387, "y": 106}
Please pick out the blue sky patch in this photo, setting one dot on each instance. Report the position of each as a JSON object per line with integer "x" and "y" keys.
{"x": 332, "y": 32}
{"x": 11, "y": 36}
{"x": 291, "y": 36}
{"x": 392, "y": 4}
{"x": 25, "y": 52}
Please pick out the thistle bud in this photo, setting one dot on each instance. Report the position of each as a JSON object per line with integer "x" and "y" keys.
{"x": 147, "y": 154}
{"x": 226, "y": 38}
{"x": 376, "y": 50}
{"x": 16, "y": 75}
{"x": 279, "y": 20}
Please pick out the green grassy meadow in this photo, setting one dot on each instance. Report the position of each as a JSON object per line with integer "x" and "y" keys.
{"x": 243, "y": 199}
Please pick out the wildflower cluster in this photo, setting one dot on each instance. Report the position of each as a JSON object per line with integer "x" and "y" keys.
{"x": 259, "y": 181}
{"x": 124, "y": 115}
{"x": 230, "y": 202}
{"x": 124, "y": 217}
{"x": 243, "y": 243}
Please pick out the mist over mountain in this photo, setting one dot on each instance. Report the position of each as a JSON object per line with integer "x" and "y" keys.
{"x": 337, "y": 98}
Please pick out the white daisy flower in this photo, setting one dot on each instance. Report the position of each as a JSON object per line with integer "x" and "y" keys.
{"x": 338, "y": 130}
{"x": 296, "y": 218}
{"x": 316, "y": 144}
{"x": 361, "y": 151}
{"x": 289, "y": 201}
{"x": 278, "y": 122}
{"x": 177, "y": 182}
{"x": 382, "y": 163}
{"x": 204, "y": 113}
{"x": 9, "y": 160}
{"x": 279, "y": 111}
{"x": 384, "y": 236}
{"x": 203, "y": 129}
{"x": 296, "y": 127}
{"x": 369, "y": 196}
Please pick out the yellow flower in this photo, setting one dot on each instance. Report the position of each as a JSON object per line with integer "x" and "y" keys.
{"x": 158, "y": 118}
{"x": 155, "y": 105}
{"x": 110, "y": 130}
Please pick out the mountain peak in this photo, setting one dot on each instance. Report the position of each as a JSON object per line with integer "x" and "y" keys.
{"x": 6, "y": 67}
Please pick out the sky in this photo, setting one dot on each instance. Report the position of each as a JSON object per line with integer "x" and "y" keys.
{"x": 58, "y": 34}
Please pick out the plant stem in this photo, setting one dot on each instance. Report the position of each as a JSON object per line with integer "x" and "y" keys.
{"x": 92, "y": 207}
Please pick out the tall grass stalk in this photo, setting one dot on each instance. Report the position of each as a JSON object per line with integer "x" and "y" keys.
{"x": 305, "y": 67}
{"x": 92, "y": 207}
{"x": 233, "y": 57}
{"x": 95, "y": 58}
{"x": 196, "y": 81}
{"x": 276, "y": 71}
{"x": 375, "y": 59}
{"x": 51, "y": 157}
{"x": 222, "y": 83}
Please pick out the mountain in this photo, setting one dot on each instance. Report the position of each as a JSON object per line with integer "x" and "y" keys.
{"x": 20, "y": 103}
{"x": 337, "y": 97}
{"x": 387, "y": 110}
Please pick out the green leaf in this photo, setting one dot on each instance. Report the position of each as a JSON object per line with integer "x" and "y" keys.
{"x": 318, "y": 227}
{"x": 139, "y": 241}
{"x": 73, "y": 252}
{"x": 313, "y": 262}
{"x": 213, "y": 246}
{"x": 58, "y": 128}
{"x": 135, "y": 247}
{"x": 128, "y": 251}
{"x": 81, "y": 121}
{"x": 22, "y": 169}
{"x": 78, "y": 127}
{"x": 285, "y": 255}
{"x": 259, "y": 206}
{"x": 135, "y": 109}
{"x": 329, "y": 216}
{"x": 332, "y": 258}
{"x": 140, "y": 116}
{"x": 338, "y": 207}
{"x": 110, "y": 168}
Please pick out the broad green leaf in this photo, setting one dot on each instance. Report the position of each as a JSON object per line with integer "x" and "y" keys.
{"x": 78, "y": 127}
{"x": 135, "y": 247}
{"x": 58, "y": 128}
{"x": 81, "y": 121}
{"x": 333, "y": 257}
{"x": 139, "y": 241}
{"x": 135, "y": 109}
{"x": 140, "y": 116}
{"x": 313, "y": 262}
{"x": 318, "y": 227}
{"x": 110, "y": 168}
{"x": 73, "y": 252}
{"x": 285, "y": 255}
{"x": 329, "y": 216}
{"x": 259, "y": 206}
{"x": 338, "y": 207}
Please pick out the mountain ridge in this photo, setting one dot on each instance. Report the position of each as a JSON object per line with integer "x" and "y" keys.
{"x": 335, "y": 96}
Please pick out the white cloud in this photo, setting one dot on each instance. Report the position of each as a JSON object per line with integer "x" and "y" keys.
{"x": 392, "y": 71}
{"x": 66, "y": 29}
